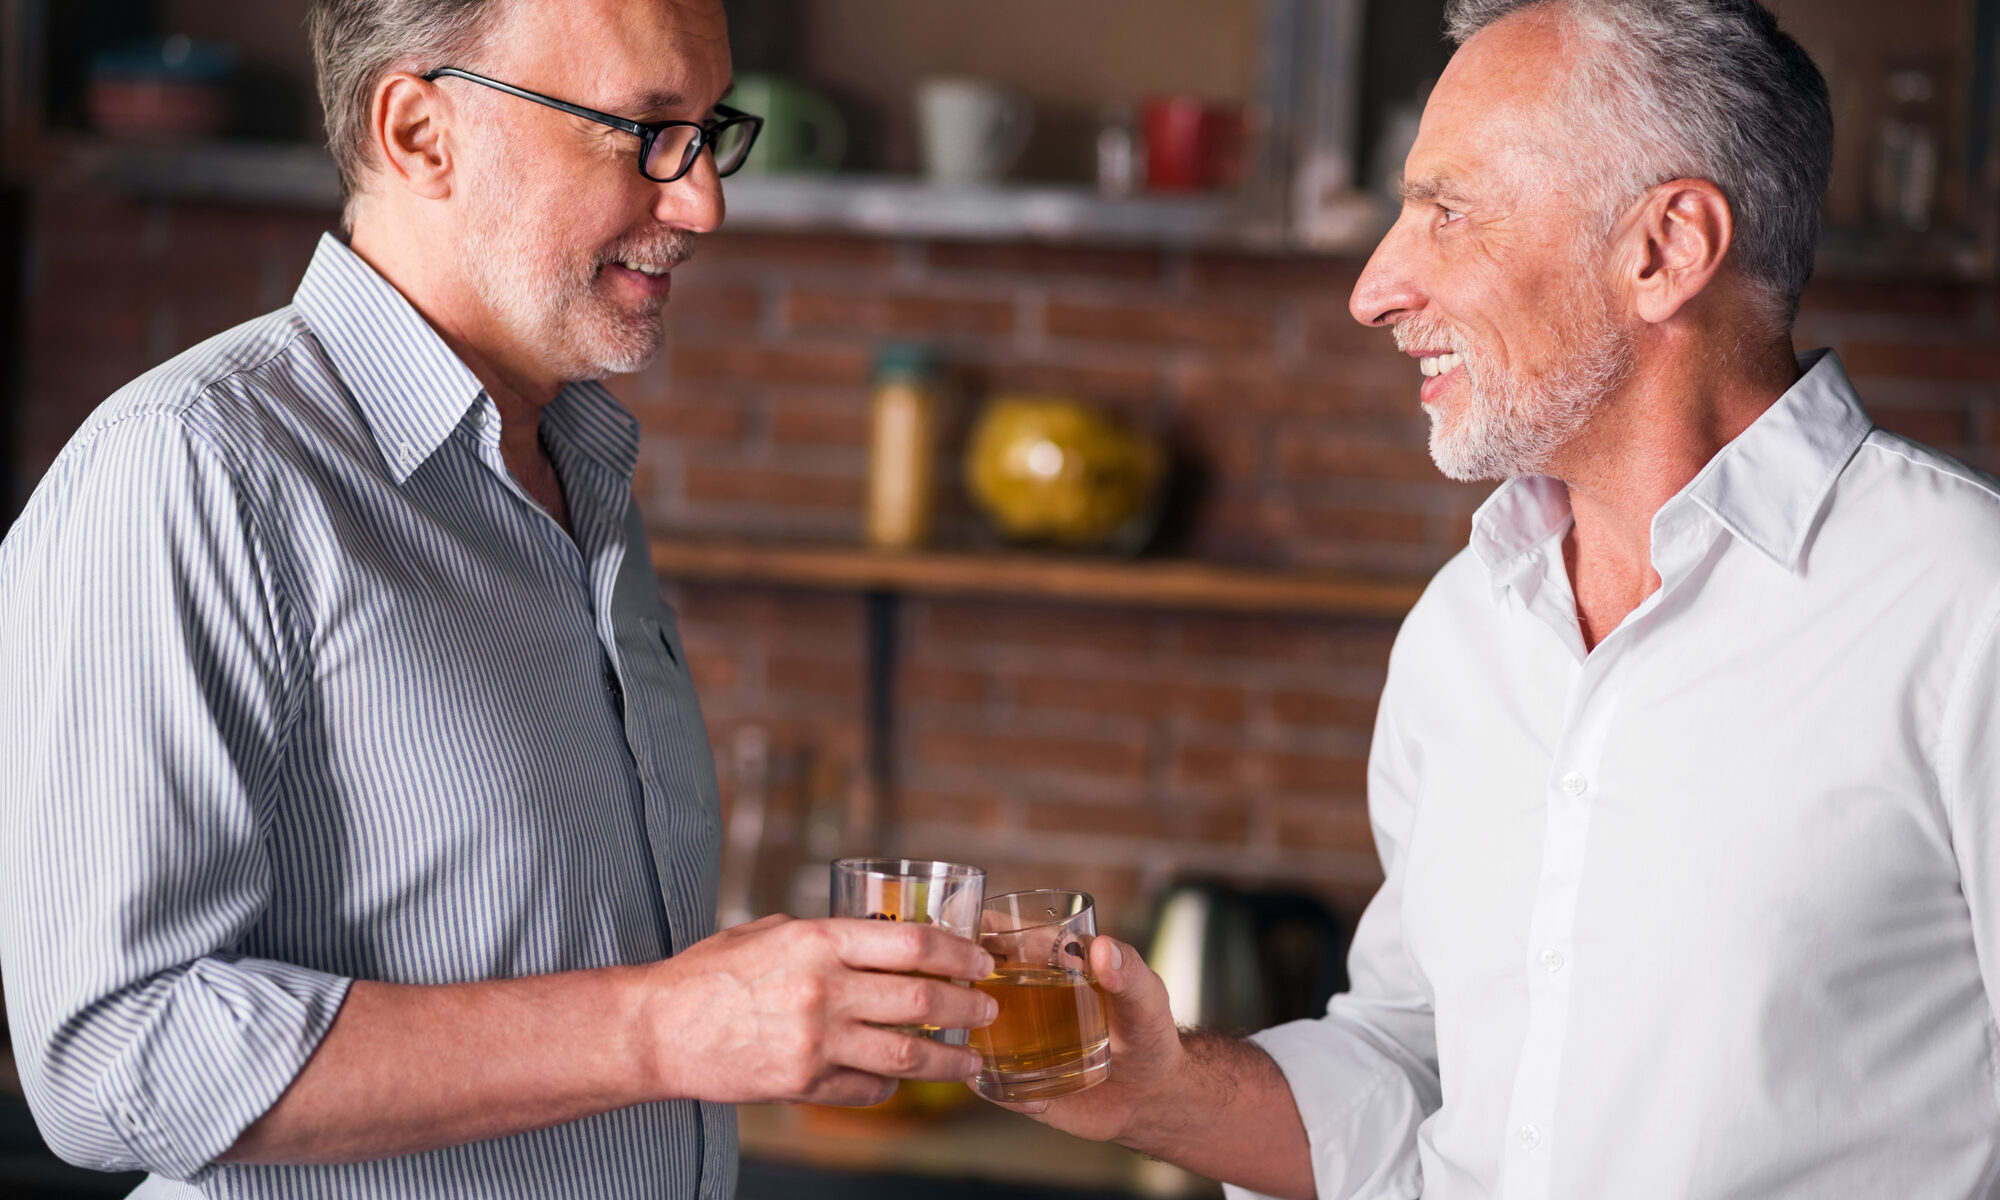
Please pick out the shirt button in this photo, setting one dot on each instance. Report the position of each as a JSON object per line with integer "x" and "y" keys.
{"x": 1529, "y": 1137}
{"x": 1552, "y": 961}
{"x": 1573, "y": 784}
{"x": 130, "y": 1118}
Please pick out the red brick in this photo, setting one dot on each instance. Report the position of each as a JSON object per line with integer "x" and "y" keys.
{"x": 709, "y": 305}
{"x": 844, "y": 309}
{"x": 823, "y": 422}
{"x": 938, "y": 685}
{"x": 1030, "y": 754}
{"x": 1915, "y": 360}
{"x": 1335, "y": 454}
{"x": 1903, "y": 300}
{"x": 1354, "y": 387}
{"x": 752, "y": 485}
{"x": 1200, "y": 702}
{"x": 823, "y": 676}
{"x": 1302, "y": 275}
{"x": 1228, "y": 327}
{"x": 773, "y": 363}
{"x": 980, "y": 624}
{"x": 1309, "y": 772}
{"x": 729, "y": 249}
{"x": 1945, "y": 426}
{"x": 1323, "y": 709}
{"x": 1332, "y": 330}
{"x": 980, "y": 809}
{"x": 713, "y": 670}
{"x": 1335, "y": 826}
{"x": 711, "y": 417}
{"x": 1347, "y": 523}
{"x": 1043, "y": 262}
{"x": 1135, "y": 381}
{"x": 1301, "y": 641}
{"x": 1210, "y": 765}
{"x": 1053, "y": 816}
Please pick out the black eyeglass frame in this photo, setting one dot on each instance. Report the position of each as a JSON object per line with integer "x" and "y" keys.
{"x": 646, "y": 131}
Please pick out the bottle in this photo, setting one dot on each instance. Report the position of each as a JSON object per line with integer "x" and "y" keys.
{"x": 902, "y": 448}
{"x": 1906, "y": 153}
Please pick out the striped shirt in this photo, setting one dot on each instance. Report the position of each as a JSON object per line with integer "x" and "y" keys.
{"x": 302, "y": 688}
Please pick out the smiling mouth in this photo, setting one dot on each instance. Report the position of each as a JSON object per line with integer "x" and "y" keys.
{"x": 647, "y": 268}
{"x": 1440, "y": 364}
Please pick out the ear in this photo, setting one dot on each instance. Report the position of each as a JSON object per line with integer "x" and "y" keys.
{"x": 1680, "y": 233}
{"x": 409, "y": 120}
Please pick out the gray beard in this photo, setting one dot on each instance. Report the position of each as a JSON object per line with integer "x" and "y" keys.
{"x": 1513, "y": 425}
{"x": 575, "y": 334}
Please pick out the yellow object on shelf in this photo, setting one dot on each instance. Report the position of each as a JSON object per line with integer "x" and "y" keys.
{"x": 1047, "y": 469}
{"x": 902, "y": 449}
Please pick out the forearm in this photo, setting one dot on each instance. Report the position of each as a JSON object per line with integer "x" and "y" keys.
{"x": 405, "y": 1068}
{"x": 1231, "y": 1117}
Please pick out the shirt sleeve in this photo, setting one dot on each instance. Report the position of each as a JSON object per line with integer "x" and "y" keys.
{"x": 1969, "y": 779}
{"x": 1365, "y": 1075}
{"x": 140, "y": 728}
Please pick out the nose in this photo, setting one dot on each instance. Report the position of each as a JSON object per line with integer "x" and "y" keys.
{"x": 1388, "y": 290}
{"x": 694, "y": 201}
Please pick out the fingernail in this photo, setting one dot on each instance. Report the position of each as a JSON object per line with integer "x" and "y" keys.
{"x": 1117, "y": 956}
{"x": 985, "y": 964}
{"x": 1035, "y": 1106}
{"x": 992, "y": 1009}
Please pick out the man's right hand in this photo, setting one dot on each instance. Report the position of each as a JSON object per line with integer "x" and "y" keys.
{"x": 787, "y": 1010}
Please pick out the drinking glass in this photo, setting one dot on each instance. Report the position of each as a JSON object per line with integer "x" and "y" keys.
{"x": 1051, "y": 1037}
{"x": 944, "y": 894}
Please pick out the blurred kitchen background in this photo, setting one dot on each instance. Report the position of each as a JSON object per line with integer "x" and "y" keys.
{"x": 1027, "y": 495}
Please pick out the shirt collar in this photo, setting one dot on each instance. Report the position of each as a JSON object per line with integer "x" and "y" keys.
{"x": 1767, "y": 487}
{"x": 412, "y": 389}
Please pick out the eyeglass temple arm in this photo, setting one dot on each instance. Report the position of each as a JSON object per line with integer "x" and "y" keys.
{"x": 575, "y": 110}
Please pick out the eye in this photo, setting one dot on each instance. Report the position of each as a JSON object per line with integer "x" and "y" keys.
{"x": 1451, "y": 214}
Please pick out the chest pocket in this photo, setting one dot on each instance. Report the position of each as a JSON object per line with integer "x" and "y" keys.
{"x": 669, "y": 743}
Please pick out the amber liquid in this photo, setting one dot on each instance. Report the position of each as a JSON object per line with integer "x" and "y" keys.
{"x": 1049, "y": 1018}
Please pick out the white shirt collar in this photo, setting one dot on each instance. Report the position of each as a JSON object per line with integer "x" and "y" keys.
{"x": 1767, "y": 487}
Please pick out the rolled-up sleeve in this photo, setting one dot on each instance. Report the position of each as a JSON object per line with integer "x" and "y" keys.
{"x": 1365, "y": 1076}
{"x": 147, "y": 668}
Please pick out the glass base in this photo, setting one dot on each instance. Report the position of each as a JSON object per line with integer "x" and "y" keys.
{"x": 1048, "y": 1083}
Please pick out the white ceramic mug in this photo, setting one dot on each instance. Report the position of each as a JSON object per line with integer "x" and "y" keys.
{"x": 970, "y": 131}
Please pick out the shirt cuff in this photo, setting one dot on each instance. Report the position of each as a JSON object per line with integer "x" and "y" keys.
{"x": 1361, "y": 1108}
{"x": 221, "y": 1047}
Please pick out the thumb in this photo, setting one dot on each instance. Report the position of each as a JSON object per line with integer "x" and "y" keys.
{"x": 1140, "y": 1013}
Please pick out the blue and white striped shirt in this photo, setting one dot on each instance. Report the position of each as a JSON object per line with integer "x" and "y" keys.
{"x": 302, "y": 688}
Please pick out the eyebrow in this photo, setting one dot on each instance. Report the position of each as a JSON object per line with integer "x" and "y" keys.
{"x": 1429, "y": 188}
{"x": 656, "y": 100}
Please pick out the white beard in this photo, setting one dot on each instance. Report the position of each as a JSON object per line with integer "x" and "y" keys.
{"x": 546, "y": 296}
{"x": 1513, "y": 424}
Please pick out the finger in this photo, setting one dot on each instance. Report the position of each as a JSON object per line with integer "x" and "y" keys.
{"x": 852, "y": 1089}
{"x": 1140, "y": 1012}
{"x": 1027, "y": 1108}
{"x": 914, "y": 1000}
{"x": 908, "y": 948}
{"x": 902, "y": 1056}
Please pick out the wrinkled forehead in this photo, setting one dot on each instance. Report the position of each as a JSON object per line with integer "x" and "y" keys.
{"x": 633, "y": 57}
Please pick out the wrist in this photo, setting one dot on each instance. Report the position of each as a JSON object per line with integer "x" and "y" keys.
{"x": 638, "y": 998}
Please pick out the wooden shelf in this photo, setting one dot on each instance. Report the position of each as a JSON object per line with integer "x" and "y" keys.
{"x": 1142, "y": 584}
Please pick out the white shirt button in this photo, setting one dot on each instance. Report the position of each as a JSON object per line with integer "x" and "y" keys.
{"x": 1552, "y": 961}
{"x": 1529, "y": 1137}
{"x": 1573, "y": 784}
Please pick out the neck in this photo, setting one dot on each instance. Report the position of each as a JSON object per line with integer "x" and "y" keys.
{"x": 1680, "y": 407}
{"x": 405, "y": 253}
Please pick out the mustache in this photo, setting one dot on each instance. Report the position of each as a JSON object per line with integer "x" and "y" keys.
{"x": 1419, "y": 333}
{"x": 670, "y": 249}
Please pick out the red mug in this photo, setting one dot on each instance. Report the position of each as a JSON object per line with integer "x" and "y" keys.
{"x": 1191, "y": 145}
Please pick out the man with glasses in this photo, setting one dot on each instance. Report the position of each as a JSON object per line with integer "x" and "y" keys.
{"x": 359, "y": 836}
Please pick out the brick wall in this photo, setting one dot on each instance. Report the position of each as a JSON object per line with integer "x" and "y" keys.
{"x": 1056, "y": 743}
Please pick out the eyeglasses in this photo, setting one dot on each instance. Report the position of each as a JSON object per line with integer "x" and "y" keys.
{"x": 666, "y": 148}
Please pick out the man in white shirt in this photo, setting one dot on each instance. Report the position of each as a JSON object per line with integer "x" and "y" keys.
{"x": 1684, "y": 777}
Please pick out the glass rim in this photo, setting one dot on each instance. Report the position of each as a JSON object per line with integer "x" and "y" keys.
{"x": 1089, "y": 905}
{"x": 899, "y": 868}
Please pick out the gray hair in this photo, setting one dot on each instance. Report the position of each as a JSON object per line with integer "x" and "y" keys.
{"x": 356, "y": 43}
{"x": 1697, "y": 89}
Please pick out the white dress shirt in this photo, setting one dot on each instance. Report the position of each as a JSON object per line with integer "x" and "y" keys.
{"x": 1709, "y": 911}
